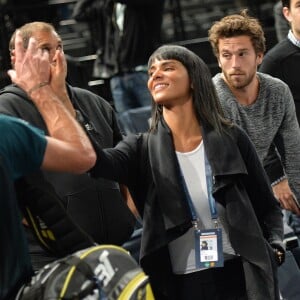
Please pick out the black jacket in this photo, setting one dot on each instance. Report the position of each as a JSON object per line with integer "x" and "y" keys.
{"x": 240, "y": 184}
{"x": 95, "y": 205}
{"x": 283, "y": 62}
{"x": 119, "y": 52}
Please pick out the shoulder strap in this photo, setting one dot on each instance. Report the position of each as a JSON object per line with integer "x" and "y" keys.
{"x": 54, "y": 229}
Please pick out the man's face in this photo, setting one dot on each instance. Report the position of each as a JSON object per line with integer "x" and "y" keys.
{"x": 292, "y": 14}
{"x": 238, "y": 61}
{"x": 48, "y": 41}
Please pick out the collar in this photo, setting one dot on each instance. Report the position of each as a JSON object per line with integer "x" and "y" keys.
{"x": 223, "y": 155}
{"x": 221, "y": 149}
{"x": 222, "y": 152}
{"x": 166, "y": 177}
{"x": 293, "y": 39}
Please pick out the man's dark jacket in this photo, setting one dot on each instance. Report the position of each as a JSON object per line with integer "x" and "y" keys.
{"x": 151, "y": 171}
{"x": 95, "y": 205}
{"x": 121, "y": 52}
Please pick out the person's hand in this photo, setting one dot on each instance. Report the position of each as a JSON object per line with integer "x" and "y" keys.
{"x": 279, "y": 252}
{"x": 31, "y": 68}
{"x": 286, "y": 197}
{"x": 59, "y": 72}
{"x": 58, "y": 80}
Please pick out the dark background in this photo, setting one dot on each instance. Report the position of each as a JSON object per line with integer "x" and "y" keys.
{"x": 185, "y": 22}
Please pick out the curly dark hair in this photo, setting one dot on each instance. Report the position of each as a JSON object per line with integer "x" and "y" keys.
{"x": 236, "y": 25}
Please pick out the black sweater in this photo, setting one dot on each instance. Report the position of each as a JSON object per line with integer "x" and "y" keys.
{"x": 283, "y": 62}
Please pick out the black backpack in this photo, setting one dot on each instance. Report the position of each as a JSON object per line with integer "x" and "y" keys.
{"x": 100, "y": 272}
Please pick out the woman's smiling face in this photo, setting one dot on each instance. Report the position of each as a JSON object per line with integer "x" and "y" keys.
{"x": 168, "y": 82}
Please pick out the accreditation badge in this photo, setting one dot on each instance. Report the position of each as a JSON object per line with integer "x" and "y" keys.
{"x": 209, "y": 248}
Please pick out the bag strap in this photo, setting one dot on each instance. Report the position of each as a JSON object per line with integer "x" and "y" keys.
{"x": 80, "y": 265}
{"x": 84, "y": 268}
{"x": 53, "y": 227}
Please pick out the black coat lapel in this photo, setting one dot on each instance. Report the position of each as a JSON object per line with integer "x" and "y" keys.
{"x": 165, "y": 170}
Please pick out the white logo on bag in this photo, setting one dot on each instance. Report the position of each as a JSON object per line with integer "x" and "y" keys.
{"x": 104, "y": 271}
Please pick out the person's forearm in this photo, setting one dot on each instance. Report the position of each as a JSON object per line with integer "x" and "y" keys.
{"x": 60, "y": 123}
{"x": 68, "y": 148}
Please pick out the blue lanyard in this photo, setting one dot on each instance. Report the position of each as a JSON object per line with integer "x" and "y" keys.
{"x": 211, "y": 199}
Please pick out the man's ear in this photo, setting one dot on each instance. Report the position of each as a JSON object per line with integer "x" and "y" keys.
{"x": 286, "y": 13}
{"x": 259, "y": 58}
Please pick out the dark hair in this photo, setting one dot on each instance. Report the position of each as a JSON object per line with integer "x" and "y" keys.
{"x": 204, "y": 95}
{"x": 286, "y": 3}
{"x": 236, "y": 25}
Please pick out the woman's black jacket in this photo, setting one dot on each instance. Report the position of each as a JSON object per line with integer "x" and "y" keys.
{"x": 147, "y": 164}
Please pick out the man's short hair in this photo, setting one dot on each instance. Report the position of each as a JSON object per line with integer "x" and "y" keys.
{"x": 237, "y": 25}
{"x": 28, "y": 30}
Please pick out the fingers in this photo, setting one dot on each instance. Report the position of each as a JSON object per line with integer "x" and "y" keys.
{"x": 285, "y": 196}
{"x": 60, "y": 63}
{"x": 31, "y": 65}
{"x": 294, "y": 204}
{"x": 58, "y": 71}
{"x": 56, "y": 66}
{"x": 32, "y": 49}
{"x": 288, "y": 202}
{"x": 19, "y": 50}
{"x": 59, "y": 59}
